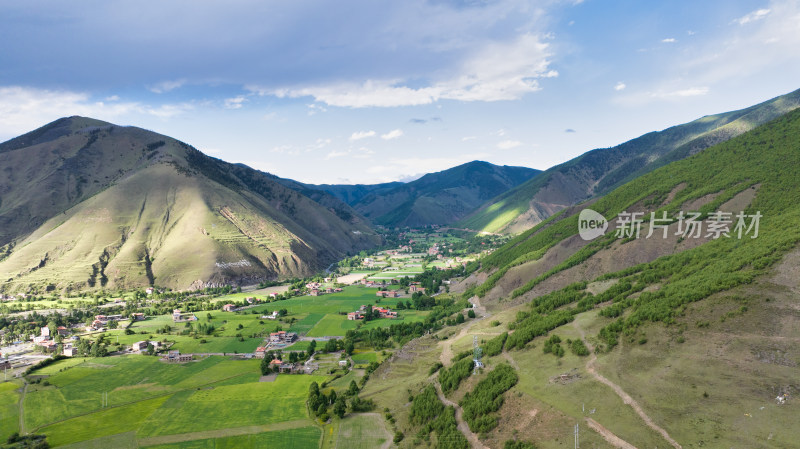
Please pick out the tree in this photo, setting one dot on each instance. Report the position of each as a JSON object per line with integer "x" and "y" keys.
{"x": 349, "y": 347}
{"x": 332, "y": 397}
{"x": 459, "y": 318}
{"x": 331, "y": 345}
{"x": 113, "y": 324}
{"x": 339, "y": 407}
{"x": 471, "y": 313}
{"x": 353, "y": 389}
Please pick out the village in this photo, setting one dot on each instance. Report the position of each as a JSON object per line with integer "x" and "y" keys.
{"x": 388, "y": 272}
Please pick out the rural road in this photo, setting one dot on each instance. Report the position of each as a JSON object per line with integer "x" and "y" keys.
{"x": 474, "y": 442}
{"x": 626, "y": 398}
{"x": 445, "y": 358}
{"x": 612, "y": 439}
{"x": 447, "y": 345}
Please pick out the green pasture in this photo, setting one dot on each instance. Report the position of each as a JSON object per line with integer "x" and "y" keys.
{"x": 151, "y": 402}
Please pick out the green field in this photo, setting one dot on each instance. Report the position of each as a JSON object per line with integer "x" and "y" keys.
{"x": 300, "y": 438}
{"x": 150, "y": 402}
{"x": 332, "y": 325}
{"x": 305, "y": 324}
{"x": 9, "y": 409}
{"x": 365, "y": 431}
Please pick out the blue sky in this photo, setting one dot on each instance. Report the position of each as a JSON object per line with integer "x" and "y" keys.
{"x": 376, "y": 90}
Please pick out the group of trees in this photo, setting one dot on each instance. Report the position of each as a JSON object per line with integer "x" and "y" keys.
{"x": 401, "y": 333}
{"x": 429, "y": 412}
{"x": 450, "y": 378}
{"x": 486, "y": 398}
{"x": 319, "y": 403}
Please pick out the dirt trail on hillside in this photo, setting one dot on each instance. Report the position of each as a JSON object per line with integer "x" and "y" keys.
{"x": 445, "y": 358}
{"x": 447, "y": 345}
{"x": 473, "y": 439}
{"x": 608, "y": 436}
{"x": 511, "y": 360}
{"x": 626, "y": 398}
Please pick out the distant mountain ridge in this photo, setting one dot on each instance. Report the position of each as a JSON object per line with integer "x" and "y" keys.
{"x": 434, "y": 199}
{"x": 602, "y": 170}
{"x": 85, "y": 203}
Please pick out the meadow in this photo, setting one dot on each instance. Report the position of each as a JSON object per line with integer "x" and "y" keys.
{"x": 213, "y": 402}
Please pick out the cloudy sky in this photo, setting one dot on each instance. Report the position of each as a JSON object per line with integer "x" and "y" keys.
{"x": 379, "y": 90}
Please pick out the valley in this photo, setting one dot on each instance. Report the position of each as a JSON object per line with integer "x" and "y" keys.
{"x": 324, "y": 316}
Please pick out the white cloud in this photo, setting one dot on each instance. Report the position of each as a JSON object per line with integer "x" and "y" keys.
{"x": 314, "y": 108}
{"x": 358, "y": 135}
{"x": 335, "y": 154}
{"x": 166, "y": 86}
{"x": 620, "y": 86}
{"x": 467, "y": 138}
{"x": 508, "y": 144}
{"x": 690, "y": 92}
{"x": 394, "y": 134}
{"x": 401, "y": 168}
{"x": 23, "y": 109}
{"x": 112, "y": 98}
{"x": 753, "y": 16}
{"x": 669, "y": 40}
{"x": 235, "y": 102}
{"x": 497, "y": 71}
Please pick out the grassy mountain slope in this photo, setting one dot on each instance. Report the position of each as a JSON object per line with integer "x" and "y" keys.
{"x": 442, "y": 197}
{"x": 600, "y": 171}
{"x": 685, "y": 340}
{"x": 109, "y": 206}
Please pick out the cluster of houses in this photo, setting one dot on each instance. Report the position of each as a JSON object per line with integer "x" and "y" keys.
{"x": 387, "y": 294}
{"x": 383, "y": 313}
{"x": 175, "y": 356}
{"x": 284, "y": 367}
{"x": 179, "y": 317}
{"x": 319, "y": 290}
{"x": 45, "y": 340}
{"x": 141, "y": 346}
{"x": 398, "y": 251}
{"x": 370, "y": 284}
{"x": 282, "y": 337}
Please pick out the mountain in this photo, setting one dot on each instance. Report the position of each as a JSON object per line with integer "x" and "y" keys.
{"x": 600, "y": 171}
{"x": 85, "y": 203}
{"x": 676, "y": 340}
{"x": 436, "y": 198}
{"x": 352, "y": 194}
{"x": 754, "y": 172}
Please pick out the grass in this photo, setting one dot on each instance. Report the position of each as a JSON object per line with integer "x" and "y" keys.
{"x": 222, "y": 407}
{"x": 332, "y": 325}
{"x": 79, "y": 389}
{"x": 228, "y": 345}
{"x": 300, "y": 438}
{"x": 362, "y": 432}
{"x": 9, "y": 409}
{"x": 306, "y": 323}
{"x": 150, "y": 399}
{"x": 107, "y": 422}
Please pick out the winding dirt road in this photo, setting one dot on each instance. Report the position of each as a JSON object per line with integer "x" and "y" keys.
{"x": 463, "y": 427}
{"x": 626, "y": 398}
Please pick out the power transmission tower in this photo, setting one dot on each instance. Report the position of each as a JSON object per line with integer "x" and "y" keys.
{"x": 476, "y": 355}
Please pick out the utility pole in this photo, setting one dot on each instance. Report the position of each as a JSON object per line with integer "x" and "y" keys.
{"x": 577, "y": 436}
